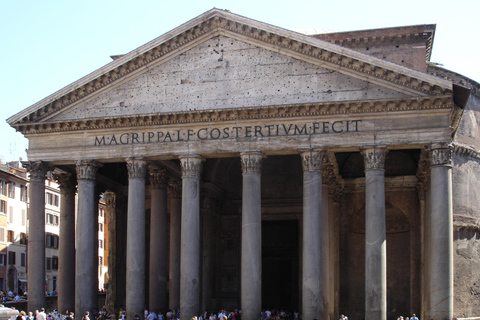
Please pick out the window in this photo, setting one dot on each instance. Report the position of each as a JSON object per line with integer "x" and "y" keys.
{"x": 100, "y": 260}
{"x": 52, "y": 219}
{"x": 23, "y": 193}
{"x": 3, "y": 187}
{"x": 55, "y": 200}
{"x": 100, "y": 212}
{"x": 24, "y": 217}
{"x": 3, "y": 259}
{"x": 11, "y": 257}
{"x": 23, "y": 238}
{"x": 23, "y": 259}
{"x": 51, "y": 240}
{"x": 11, "y": 189}
{"x": 3, "y": 206}
{"x": 49, "y": 198}
{"x": 10, "y": 236}
{"x": 49, "y": 264}
{"x": 10, "y": 214}
{"x": 100, "y": 227}
{"x": 54, "y": 263}
{"x": 2, "y": 234}
{"x": 100, "y": 244}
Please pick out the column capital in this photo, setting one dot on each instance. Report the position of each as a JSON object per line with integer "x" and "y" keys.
{"x": 312, "y": 159}
{"x": 175, "y": 189}
{"x": 158, "y": 177}
{"x": 37, "y": 169}
{"x": 441, "y": 154}
{"x": 251, "y": 162}
{"x": 191, "y": 165}
{"x": 87, "y": 169}
{"x": 137, "y": 167}
{"x": 374, "y": 157}
{"x": 66, "y": 181}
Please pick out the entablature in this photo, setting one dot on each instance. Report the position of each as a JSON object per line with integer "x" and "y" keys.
{"x": 356, "y": 107}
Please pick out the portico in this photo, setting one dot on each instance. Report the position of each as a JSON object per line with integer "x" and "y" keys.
{"x": 196, "y": 149}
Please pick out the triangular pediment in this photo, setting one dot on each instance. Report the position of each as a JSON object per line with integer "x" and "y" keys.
{"x": 260, "y": 65}
{"x": 225, "y": 73}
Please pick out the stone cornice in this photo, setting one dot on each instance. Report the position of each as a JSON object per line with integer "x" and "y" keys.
{"x": 216, "y": 22}
{"x": 270, "y": 112}
{"x": 468, "y": 151}
{"x": 406, "y": 33}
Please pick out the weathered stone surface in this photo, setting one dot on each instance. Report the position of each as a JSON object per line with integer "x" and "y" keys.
{"x": 227, "y": 73}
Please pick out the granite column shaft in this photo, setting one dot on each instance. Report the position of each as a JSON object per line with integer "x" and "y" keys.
{"x": 441, "y": 233}
{"x": 375, "y": 234}
{"x": 135, "y": 295}
{"x": 36, "y": 235}
{"x": 312, "y": 291}
{"x": 66, "y": 247}
{"x": 190, "y": 262}
{"x": 175, "y": 190}
{"x": 251, "y": 255}
{"x": 86, "y": 239}
{"x": 158, "y": 241}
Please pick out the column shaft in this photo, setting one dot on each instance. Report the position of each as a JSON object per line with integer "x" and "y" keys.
{"x": 158, "y": 242}
{"x": 190, "y": 277}
{"x": 66, "y": 247}
{"x": 375, "y": 235}
{"x": 174, "y": 254}
{"x": 86, "y": 239}
{"x": 251, "y": 269}
{"x": 36, "y": 235}
{"x": 135, "y": 295}
{"x": 313, "y": 251}
{"x": 110, "y": 298}
{"x": 441, "y": 233}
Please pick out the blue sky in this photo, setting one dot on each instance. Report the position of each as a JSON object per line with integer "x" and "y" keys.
{"x": 46, "y": 45}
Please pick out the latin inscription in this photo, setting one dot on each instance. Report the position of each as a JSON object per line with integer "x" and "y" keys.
{"x": 221, "y": 133}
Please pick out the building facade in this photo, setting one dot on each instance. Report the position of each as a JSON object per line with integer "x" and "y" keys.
{"x": 14, "y": 198}
{"x": 247, "y": 166}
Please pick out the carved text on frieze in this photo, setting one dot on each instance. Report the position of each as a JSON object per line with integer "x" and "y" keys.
{"x": 232, "y": 132}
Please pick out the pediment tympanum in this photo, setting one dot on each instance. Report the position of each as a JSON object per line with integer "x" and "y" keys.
{"x": 225, "y": 73}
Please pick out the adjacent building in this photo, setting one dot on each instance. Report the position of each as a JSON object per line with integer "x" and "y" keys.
{"x": 248, "y": 166}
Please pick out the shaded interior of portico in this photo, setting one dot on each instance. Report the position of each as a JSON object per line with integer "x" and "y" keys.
{"x": 282, "y": 190}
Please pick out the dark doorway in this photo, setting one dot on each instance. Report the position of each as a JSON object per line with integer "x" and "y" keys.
{"x": 280, "y": 264}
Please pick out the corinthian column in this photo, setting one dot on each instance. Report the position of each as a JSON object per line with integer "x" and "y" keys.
{"x": 251, "y": 269}
{"x": 36, "y": 234}
{"x": 441, "y": 233}
{"x": 375, "y": 234}
{"x": 190, "y": 277}
{"x": 135, "y": 296}
{"x": 66, "y": 247}
{"x": 158, "y": 241}
{"x": 312, "y": 293}
{"x": 175, "y": 190}
{"x": 86, "y": 239}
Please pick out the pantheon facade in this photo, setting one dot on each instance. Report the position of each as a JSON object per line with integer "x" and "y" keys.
{"x": 248, "y": 166}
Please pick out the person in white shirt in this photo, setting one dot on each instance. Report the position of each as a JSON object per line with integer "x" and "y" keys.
{"x": 152, "y": 316}
{"x": 41, "y": 315}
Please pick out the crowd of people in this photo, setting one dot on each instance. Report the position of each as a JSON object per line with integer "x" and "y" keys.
{"x": 235, "y": 314}
{"x": 414, "y": 317}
